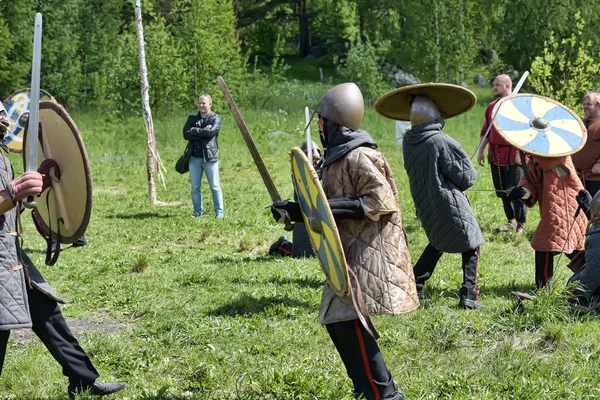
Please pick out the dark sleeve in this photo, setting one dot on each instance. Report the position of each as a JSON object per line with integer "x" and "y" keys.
{"x": 455, "y": 165}
{"x": 188, "y": 134}
{"x": 196, "y": 133}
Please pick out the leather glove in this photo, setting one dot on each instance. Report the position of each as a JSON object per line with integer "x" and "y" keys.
{"x": 584, "y": 198}
{"x": 50, "y": 171}
{"x": 516, "y": 193}
{"x": 347, "y": 208}
{"x": 284, "y": 208}
{"x": 28, "y": 184}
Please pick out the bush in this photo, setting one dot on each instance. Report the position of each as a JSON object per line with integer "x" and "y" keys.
{"x": 566, "y": 70}
{"x": 361, "y": 66}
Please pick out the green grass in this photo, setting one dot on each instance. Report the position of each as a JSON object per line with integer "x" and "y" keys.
{"x": 207, "y": 314}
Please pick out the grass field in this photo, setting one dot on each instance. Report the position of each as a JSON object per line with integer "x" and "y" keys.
{"x": 186, "y": 308}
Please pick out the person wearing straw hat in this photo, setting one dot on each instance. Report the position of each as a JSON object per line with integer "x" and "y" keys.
{"x": 439, "y": 172}
{"x": 505, "y": 162}
{"x": 363, "y": 197}
{"x": 587, "y": 160}
{"x": 26, "y": 299}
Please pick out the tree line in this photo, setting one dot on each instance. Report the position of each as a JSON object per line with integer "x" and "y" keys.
{"x": 89, "y": 53}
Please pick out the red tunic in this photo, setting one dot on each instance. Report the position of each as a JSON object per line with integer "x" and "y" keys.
{"x": 500, "y": 152}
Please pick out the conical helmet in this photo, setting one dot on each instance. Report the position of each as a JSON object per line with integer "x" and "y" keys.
{"x": 344, "y": 105}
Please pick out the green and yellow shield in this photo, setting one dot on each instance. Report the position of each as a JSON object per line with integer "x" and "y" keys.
{"x": 319, "y": 221}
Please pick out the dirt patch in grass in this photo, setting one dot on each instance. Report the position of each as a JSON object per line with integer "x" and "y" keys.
{"x": 79, "y": 327}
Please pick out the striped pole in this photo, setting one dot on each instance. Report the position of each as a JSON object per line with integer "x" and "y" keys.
{"x": 153, "y": 159}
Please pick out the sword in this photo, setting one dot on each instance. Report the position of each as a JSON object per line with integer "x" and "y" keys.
{"x": 262, "y": 169}
{"x": 31, "y": 151}
{"x": 308, "y": 139}
{"x": 516, "y": 91}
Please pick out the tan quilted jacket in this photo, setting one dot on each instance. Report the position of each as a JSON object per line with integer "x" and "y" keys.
{"x": 375, "y": 248}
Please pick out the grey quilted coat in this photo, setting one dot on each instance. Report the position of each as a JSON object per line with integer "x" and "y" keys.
{"x": 16, "y": 269}
{"x": 439, "y": 171}
{"x": 376, "y": 249}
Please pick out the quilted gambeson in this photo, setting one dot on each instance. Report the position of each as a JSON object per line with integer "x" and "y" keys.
{"x": 439, "y": 171}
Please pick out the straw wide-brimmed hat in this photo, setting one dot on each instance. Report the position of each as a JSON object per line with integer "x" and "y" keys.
{"x": 451, "y": 100}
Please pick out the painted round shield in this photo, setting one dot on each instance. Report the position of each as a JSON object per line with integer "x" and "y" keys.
{"x": 319, "y": 221}
{"x": 17, "y": 108}
{"x": 65, "y": 208}
{"x": 539, "y": 125}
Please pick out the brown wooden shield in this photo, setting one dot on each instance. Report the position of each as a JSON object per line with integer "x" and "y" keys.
{"x": 65, "y": 208}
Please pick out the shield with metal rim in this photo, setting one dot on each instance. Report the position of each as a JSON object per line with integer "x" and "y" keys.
{"x": 65, "y": 208}
{"x": 17, "y": 108}
{"x": 319, "y": 221}
{"x": 539, "y": 125}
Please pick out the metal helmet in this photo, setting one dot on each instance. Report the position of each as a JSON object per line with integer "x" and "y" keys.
{"x": 344, "y": 105}
{"x": 595, "y": 204}
{"x": 422, "y": 111}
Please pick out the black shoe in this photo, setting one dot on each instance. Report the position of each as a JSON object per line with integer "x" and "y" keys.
{"x": 95, "y": 388}
{"x": 275, "y": 246}
{"x": 81, "y": 242}
{"x": 420, "y": 294}
{"x": 470, "y": 304}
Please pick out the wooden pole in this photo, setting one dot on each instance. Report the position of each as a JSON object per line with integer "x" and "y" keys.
{"x": 152, "y": 158}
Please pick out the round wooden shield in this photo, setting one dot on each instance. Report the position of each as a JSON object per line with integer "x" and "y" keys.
{"x": 319, "y": 222}
{"x": 17, "y": 109}
{"x": 539, "y": 125}
{"x": 65, "y": 208}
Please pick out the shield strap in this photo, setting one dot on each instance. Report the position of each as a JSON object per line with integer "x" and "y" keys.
{"x": 360, "y": 307}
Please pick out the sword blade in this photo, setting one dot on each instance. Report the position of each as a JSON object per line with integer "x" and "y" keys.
{"x": 516, "y": 91}
{"x": 262, "y": 169}
{"x": 31, "y": 151}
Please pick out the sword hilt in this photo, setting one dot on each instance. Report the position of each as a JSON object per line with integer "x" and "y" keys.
{"x": 29, "y": 202}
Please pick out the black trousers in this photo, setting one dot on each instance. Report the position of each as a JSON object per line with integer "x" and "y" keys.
{"x": 50, "y": 326}
{"x": 505, "y": 176}
{"x": 363, "y": 361}
{"x": 470, "y": 263}
{"x": 544, "y": 266}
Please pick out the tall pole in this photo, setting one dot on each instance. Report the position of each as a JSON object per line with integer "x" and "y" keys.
{"x": 152, "y": 157}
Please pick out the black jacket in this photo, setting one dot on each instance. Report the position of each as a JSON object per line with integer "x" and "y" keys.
{"x": 203, "y": 141}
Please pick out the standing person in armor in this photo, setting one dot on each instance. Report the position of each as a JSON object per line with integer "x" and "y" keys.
{"x": 587, "y": 160}
{"x": 363, "y": 197}
{"x": 300, "y": 246}
{"x": 552, "y": 183}
{"x": 587, "y": 292}
{"x": 505, "y": 162}
{"x": 439, "y": 171}
{"x": 26, "y": 299}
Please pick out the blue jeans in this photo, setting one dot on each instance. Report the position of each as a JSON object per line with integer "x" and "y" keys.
{"x": 197, "y": 167}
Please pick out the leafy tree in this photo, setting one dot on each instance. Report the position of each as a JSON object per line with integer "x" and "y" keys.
{"x": 361, "y": 66}
{"x": 17, "y": 24}
{"x": 566, "y": 70}
{"x": 209, "y": 46}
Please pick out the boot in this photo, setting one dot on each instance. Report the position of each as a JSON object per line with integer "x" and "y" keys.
{"x": 511, "y": 225}
{"x": 468, "y": 299}
{"x": 95, "y": 388}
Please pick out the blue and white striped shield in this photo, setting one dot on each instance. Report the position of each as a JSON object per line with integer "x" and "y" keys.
{"x": 539, "y": 125}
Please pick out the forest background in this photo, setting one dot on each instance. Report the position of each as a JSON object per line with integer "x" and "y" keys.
{"x": 90, "y": 49}
{"x": 183, "y": 308}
